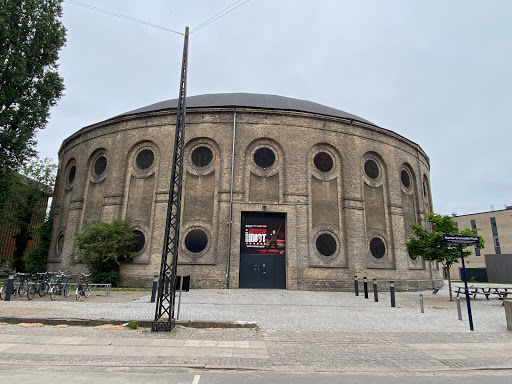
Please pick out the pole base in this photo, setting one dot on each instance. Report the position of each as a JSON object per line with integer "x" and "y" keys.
{"x": 163, "y": 326}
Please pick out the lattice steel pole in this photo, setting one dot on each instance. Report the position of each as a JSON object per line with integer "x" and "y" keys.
{"x": 164, "y": 314}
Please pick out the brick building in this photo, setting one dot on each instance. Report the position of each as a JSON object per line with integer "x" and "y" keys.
{"x": 496, "y": 229}
{"x": 277, "y": 193}
{"x": 7, "y": 232}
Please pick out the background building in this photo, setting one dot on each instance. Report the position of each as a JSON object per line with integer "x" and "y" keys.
{"x": 9, "y": 230}
{"x": 277, "y": 193}
{"x": 494, "y": 262}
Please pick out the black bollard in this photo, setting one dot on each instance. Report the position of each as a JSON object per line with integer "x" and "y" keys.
{"x": 153, "y": 291}
{"x": 365, "y": 285}
{"x": 375, "y": 293}
{"x": 356, "y": 286}
{"x": 392, "y": 293}
{"x": 10, "y": 283}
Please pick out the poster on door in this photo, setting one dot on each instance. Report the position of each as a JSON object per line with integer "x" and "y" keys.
{"x": 263, "y": 238}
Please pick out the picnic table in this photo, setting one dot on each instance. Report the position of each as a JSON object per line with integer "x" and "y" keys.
{"x": 488, "y": 290}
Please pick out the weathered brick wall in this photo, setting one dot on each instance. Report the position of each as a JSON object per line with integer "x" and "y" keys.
{"x": 342, "y": 202}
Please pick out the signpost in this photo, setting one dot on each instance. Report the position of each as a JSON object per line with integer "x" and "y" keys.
{"x": 457, "y": 239}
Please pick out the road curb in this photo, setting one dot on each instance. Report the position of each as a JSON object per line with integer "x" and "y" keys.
{"x": 142, "y": 323}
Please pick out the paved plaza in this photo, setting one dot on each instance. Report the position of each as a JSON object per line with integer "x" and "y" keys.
{"x": 286, "y": 331}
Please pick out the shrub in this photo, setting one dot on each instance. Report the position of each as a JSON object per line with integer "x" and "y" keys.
{"x": 103, "y": 247}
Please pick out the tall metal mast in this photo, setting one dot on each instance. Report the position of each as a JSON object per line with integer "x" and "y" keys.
{"x": 164, "y": 314}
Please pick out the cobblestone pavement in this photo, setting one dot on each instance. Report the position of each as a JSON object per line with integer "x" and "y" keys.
{"x": 251, "y": 349}
{"x": 298, "y": 332}
{"x": 280, "y": 310}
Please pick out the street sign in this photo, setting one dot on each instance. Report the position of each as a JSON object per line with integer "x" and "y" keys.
{"x": 457, "y": 239}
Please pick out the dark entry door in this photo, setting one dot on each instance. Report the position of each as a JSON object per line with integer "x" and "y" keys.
{"x": 262, "y": 251}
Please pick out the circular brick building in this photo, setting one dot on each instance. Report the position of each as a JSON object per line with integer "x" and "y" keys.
{"x": 277, "y": 193}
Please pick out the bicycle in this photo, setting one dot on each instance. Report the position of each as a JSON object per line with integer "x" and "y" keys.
{"x": 43, "y": 283}
{"x": 14, "y": 290}
{"x": 60, "y": 287}
{"x": 20, "y": 287}
{"x": 83, "y": 287}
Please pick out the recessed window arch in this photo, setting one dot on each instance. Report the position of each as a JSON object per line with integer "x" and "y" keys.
{"x": 264, "y": 157}
{"x": 60, "y": 243}
{"x": 145, "y": 158}
{"x": 323, "y": 161}
{"x": 139, "y": 240}
{"x": 70, "y": 173}
{"x": 374, "y": 170}
{"x": 196, "y": 241}
{"x": 405, "y": 178}
{"x": 98, "y": 165}
{"x": 201, "y": 156}
{"x": 142, "y": 159}
{"x": 326, "y": 244}
{"x": 377, "y": 247}
{"x": 371, "y": 169}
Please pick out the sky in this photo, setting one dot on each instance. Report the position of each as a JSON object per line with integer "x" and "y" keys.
{"x": 437, "y": 72}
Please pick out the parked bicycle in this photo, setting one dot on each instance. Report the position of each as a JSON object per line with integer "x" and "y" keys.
{"x": 83, "y": 287}
{"x": 20, "y": 286}
{"x": 61, "y": 286}
{"x": 43, "y": 283}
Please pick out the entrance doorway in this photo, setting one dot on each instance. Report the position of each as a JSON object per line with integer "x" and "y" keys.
{"x": 262, "y": 251}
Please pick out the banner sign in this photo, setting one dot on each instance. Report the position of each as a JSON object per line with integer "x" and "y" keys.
{"x": 457, "y": 239}
{"x": 255, "y": 235}
{"x": 263, "y": 233}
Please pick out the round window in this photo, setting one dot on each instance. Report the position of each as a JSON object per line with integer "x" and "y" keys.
{"x": 377, "y": 247}
{"x": 145, "y": 159}
{"x": 140, "y": 240}
{"x": 371, "y": 169}
{"x": 264, "y": 157}
{"x": 100, "y": 165}
{"x": 202, "y": 156}
{"x": 72, "y": 173}
{"x": 196, "y": 240}
{"x": 323, "y": 161}
{"x": 326, "y": 244}
{"x": 406, "y": 179}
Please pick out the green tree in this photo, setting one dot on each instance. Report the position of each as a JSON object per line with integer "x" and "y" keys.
{"x": 31, "y": 36}
{"x": 430, "y": 245}
{"x": 29, "y": 190}
{"x": 36, "y": 259}
{"x": 103, "y": 247}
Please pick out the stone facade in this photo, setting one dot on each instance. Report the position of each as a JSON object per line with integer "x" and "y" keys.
{"x": 355, "y": 183}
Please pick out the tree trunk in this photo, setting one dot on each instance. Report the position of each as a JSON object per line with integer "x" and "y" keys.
{"x": 449, "y": 282}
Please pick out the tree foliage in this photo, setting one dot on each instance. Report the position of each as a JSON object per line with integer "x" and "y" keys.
{"x": 36, "y": 259}
{"x": 430, "y": 245}
{"x": 103, "y": 247}
{"x": 29, "y": 191}
{"x": 31, "y": 35}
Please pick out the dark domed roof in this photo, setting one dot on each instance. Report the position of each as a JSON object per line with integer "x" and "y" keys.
{"x": 250, "y": 100}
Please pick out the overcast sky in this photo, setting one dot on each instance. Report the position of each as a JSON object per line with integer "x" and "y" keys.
{"x": 437, "y": 72}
